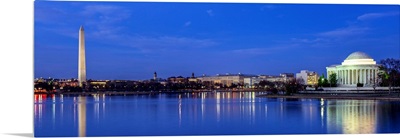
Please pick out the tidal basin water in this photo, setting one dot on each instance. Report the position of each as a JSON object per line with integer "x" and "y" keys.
{"x": 220, "y": 113}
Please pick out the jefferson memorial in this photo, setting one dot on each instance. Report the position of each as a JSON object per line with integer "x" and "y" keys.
{"x": 358, "y": 67}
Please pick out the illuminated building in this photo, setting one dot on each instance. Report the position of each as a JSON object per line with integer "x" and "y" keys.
{"x": 226, "y": 79}
{"x": 98, "y": 84}
{"x": 193, "y": 79}
{"x": 67, "y": 82}
{"x": 271, "y": 78}
{"x": 287, "y": 76}
{"x": 178, "y": 79}
{"x": 283, "y": 77}
{"x": 309, "y": 77}
{"x": 250, "y": 82}
{"x": 358, "y": 67}
{"x": 82, "y": 59}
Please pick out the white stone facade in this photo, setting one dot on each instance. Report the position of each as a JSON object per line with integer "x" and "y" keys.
{"x": 358, "y": 67}
{"x": 82, "y": 58}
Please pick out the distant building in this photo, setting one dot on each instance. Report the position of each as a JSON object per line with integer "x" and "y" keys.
{"x": 287, "y": 76}
{"x": 178, "y": 79}
{"x": 99, "y": 84}
{"x": 252, "y": 81}
{"x": 249, "y": 82}
{"x": 226, "y": 79}
{"x": 308, "y": 77}
{"x": 68, "y": 82}
{"x": 193, "y": 79}
{"x": 283, "y": 77}
{"x": 52, "y": 85}
{"x": 272, "y": 78}
{"x": 358, "y": 67}
{"x": 156, "y": 79}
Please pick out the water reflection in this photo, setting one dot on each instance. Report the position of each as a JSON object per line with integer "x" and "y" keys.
{"x": 218, "y": 105}
{"x": 53, "y": 98}
{"x": 38, "y": 106}
{"x": 61, "y": 105}
{"x": 82, "y": 116}
{"x": 356, "y": 117}
{"x": 322, "y": 107}
{"x": 209, "y": 114}
{"x": 96, "y": 98}
{"x": 104, "y": 104}
{"x": 180, "y": 110}
{"x": 203, "y": 104}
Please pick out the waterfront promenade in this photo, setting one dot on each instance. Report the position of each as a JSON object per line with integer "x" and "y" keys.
{"x": 353, "y": 95}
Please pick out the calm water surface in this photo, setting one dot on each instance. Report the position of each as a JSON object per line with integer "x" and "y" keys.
{"x": 223, "y": 113}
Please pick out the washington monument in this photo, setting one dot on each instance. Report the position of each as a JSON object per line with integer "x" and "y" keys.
{"x": 82, "y": 59}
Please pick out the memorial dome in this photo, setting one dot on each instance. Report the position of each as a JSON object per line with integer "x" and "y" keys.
{"x": 358, "y": 55}
{"x": 358, "y": 58}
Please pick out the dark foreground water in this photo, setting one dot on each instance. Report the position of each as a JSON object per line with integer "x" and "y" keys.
{"x": 224, "y": 113}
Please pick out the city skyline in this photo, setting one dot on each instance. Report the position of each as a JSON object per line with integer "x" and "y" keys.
{"x": 129, "y": 41}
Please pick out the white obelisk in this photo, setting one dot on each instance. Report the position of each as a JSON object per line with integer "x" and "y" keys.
{"x": 82, "y": 59}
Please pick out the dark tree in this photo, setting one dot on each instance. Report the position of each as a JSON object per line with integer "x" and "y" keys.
{"x": 322, "y": 81}
{"x": 333, "y": 80}
{"x": 233, "y": 85}
{"x": 292, "y": 86}
{"x": 263, "y": 83}
{"x": 390, "y": 72}
{"x": 256, "y": 86}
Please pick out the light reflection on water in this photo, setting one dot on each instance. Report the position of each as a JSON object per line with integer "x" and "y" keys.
{"x": 355, "y": 117}
{"x": 82, "y": 116}
{"x": 225, "y": 113}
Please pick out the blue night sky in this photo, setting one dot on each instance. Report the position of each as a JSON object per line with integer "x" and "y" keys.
{"x": 131, "y": 40}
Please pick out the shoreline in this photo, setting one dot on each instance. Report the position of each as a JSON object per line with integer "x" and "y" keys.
{"x": 350, "y": 96}
{"x": 326, "y": 96}
{"x": 148, "y": 92}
